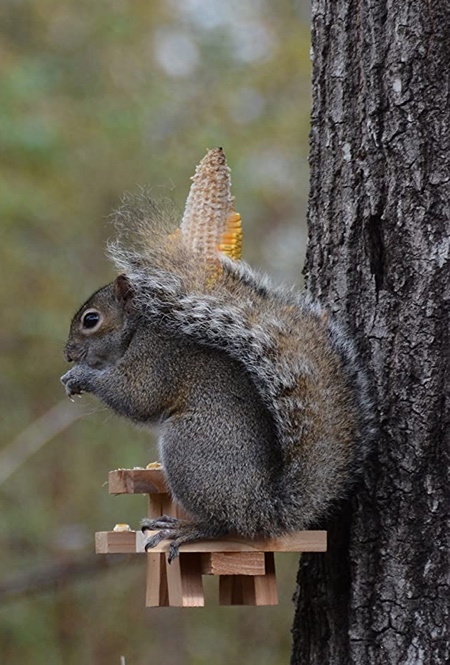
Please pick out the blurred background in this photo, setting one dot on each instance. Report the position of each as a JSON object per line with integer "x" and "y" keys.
{"x": 97, "y": 98}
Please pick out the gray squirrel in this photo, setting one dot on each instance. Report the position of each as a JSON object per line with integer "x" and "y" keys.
{"x": 263, "y": 410}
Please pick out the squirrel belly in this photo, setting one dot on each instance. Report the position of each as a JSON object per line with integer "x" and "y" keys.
{"x": 219, "y": 451}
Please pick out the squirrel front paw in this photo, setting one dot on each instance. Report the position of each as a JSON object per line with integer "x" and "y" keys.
{"x": 75, "y": 381}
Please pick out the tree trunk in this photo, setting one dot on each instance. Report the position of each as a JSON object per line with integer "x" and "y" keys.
{"x": 379, "y": 255}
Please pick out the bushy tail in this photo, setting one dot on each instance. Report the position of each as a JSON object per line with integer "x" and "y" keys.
{"x": 302, "y": 363}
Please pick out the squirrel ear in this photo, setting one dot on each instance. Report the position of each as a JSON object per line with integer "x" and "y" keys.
{"x": 123, "y": 290}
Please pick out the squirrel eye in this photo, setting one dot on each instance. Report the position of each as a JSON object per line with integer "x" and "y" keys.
{"x": 90, "y": 319}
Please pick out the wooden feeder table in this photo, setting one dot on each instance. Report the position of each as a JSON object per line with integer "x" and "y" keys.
{"x": 245, "y": 567}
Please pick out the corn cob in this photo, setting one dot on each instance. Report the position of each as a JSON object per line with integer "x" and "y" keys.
{"x": 209, "y": 222}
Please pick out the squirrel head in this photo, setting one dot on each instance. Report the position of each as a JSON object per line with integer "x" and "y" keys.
{"x": 152, "y": 260}
{"x": 102, "y": 328}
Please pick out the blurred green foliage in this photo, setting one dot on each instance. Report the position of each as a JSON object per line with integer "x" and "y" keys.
{"x": 97, "y": 98}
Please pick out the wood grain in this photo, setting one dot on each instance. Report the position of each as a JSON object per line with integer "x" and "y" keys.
{"x": 137, "y": 481}
{"x": 233, "y": 563}
{"x": 108, "y": 542}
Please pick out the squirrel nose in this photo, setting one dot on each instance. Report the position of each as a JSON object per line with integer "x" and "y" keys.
{"x": 70, "y": 353}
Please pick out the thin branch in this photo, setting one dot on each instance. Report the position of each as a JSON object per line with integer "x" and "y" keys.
{"x": 55, "y": 574}
{"x": 35, "y": 436}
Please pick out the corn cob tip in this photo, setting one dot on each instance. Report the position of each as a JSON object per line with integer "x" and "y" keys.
{"x": 209, "y": 217}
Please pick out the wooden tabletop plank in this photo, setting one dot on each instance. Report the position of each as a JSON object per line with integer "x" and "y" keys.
{"x": 108, "y": 542}
{"x": 137, "y": 481}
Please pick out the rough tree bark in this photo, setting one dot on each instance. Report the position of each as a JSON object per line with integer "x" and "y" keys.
{"x": 379, "y": 228}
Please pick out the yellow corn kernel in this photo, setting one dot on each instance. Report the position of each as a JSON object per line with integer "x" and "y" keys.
{"x": 231, "y": 241}
{"x": 154, "y": 465}
{"x": 122, "y": 527}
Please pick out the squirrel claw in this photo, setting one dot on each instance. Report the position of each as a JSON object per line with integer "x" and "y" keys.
{"x": 154, "y": 540}
{"x": 169, "y": 527}
{"x": 173, "y": 552}
{"x": 173, "y": 549}
{"x": 163, "y": 522}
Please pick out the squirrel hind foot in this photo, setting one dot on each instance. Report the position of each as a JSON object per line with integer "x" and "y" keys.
{"x": 163, "y": 522}
{"x": 179, "y": 532}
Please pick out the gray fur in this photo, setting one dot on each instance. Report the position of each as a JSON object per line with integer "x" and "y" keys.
{"x": 265, "y": 410}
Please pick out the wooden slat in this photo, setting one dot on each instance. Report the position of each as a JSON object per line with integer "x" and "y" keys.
{"x": 156, "y": 594}
{"x": 180, "y": 583}
{"x": 246, "y": 590}
{"x": 115, "y": 542}
{"x": 300, "y": 541}
{"x": 184, "y": 581}
{"x": 137, "y": 481}
{"x": 265, "y": 586}
{"x": 233, "y": 563}
{"x": 156, "y": 505}
{"x": 230, "y": 590}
